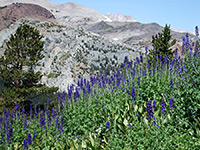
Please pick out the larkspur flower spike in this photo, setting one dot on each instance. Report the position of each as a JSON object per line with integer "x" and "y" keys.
{"x": 197, "y": 31}
{"x": 108, "y": 125}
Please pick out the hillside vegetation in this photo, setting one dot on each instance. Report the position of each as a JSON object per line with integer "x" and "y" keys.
{"x": 144, "y": 105}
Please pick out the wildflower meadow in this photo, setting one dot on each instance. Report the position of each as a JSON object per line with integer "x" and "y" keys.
{"x": 149, "y": 104}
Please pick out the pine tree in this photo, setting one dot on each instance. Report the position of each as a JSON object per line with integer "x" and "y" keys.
{"x": 161, "y": 43}
{"x": 24, "y": 50}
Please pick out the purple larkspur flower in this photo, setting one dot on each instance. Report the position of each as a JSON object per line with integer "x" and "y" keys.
{"x": 165, "y": 60}
{"x": 176, "y": 54}
{"x": 129, "y": 64}
{"x": 130, "y": 126}
{"x": 77, "y": 93}
{"x": 170, "y": 67}
{"x": 117, "y": 84}
{"x": 125, "y": 59}
{"x": 2, "y": 137}
{"x": 141, "y": 58}
{"x": 128, "y": 92}
{"x": 48, "y": 117}
{"x": 108, "y": 125}
{"x": 138, "y": 81}
{"x": 35, "y": 109}
{"x": 146, "y": 50}
{"x": 29, "y": 138}
{"x": 137, "y": 60}
{"x": 34, "y": 135}
{"x": 156, "y": 58}
{"x": 154, "y": 105}
{"x": 197, "y": 31}
{"x": 39, "y": 109}
{"x": 149, "y": 110}
{"x": 132, "y": 72}
{"x": 42, "y": 121}
{"x": 25, "y": 143}
{"x": 9, "y": 133}
{"x": 184, "y": 68}
{"x": 133, "y": 93}
{"x": 57, "y": 122}
{"x": 162, "y": 107}
{"x": 171, "y": 100}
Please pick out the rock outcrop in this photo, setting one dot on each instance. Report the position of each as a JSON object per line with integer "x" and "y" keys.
{"x": 120, "y": 18}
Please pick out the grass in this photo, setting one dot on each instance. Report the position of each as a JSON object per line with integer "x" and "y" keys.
{"x": 142, "y": 106}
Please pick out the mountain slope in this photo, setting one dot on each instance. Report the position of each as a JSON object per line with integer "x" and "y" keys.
{"x": 66, "y": 11}
{"x": 73, "y": 53}
{"x": 12, "y": 13}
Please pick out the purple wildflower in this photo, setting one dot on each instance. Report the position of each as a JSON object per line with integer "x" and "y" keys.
{"x": 35, "y": 111}
{"x": 128, "y": 92}
{"x": 141, "y": 58}
{"x": 154, "y": 105}
{"x": 29, "y": 138}
{"x": 156, "y": 58}
{"x": 77, "y": 93}
{"x": 42, "y": 121}
{"x": 165, "y": 59}
{"x": 34, "y": 135}
{"x": 108, "y": 125}
{"x": 2, "y": 136}
{"x": 137, "y": 60}
{"x": 163, "y": 107}
{"x": 39, "y": 108}
{"x": 9, "y": 133}
{"x": 184, "y": 68}
{"x": 133, "y": 93}
{"x": 171, "y": 100}
{"x": 146, "y": 49}
{"x": 196, "y": 31}
{"x": 130, "y": 126}
{"x": 149, "y": 110}
{"x": 125, "y": 59}
{"x": 88, "y": 87}
{"x": 25, "y": 143}
{"x": 57, "y": 122}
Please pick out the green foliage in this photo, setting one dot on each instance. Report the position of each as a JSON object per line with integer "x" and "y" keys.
{"x": 3, "y": 7}
{"x": 85, "y": 117}
{"x": 162, "y": 43}
{"x": 24, "y": 50}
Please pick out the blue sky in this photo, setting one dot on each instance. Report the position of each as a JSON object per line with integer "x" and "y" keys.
{"x": 180, "y": 14}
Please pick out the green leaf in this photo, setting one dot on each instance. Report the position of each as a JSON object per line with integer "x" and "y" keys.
{"x": 91, "y": 139}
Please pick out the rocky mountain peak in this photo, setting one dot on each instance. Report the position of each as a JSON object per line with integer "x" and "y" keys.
{"x": 120, "y": 18}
